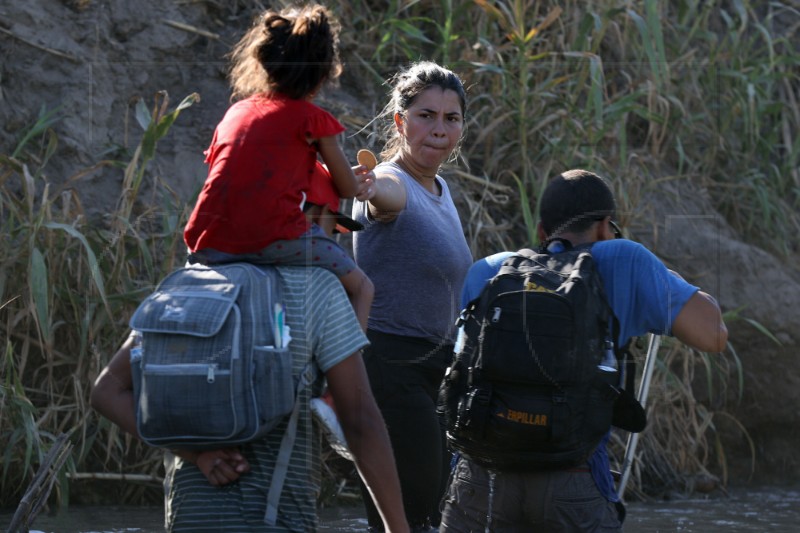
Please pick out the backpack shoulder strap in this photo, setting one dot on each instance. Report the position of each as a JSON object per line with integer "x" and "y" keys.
{"x": 518, "y": 259}
{"x": 307, "y": 377}
{"x": 285, "y": 450}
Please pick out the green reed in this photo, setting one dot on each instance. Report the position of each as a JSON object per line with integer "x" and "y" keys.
{"x": 639, "y": 91}
{"x": 67, "y": 287}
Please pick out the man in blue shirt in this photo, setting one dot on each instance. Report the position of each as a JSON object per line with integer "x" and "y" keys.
{"x": 578, "y": 206}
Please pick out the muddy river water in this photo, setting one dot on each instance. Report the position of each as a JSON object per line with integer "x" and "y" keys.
{"x": 743, "y": 510}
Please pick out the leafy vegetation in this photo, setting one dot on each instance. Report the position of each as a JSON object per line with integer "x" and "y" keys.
{"x": 640, "y": 90}
{"x": 79, "y": 281}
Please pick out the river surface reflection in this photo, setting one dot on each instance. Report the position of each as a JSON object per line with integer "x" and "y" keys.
{"x": 752, "y": 511}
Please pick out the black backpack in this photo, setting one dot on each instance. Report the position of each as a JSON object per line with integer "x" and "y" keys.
{"x": 530, "y": 388}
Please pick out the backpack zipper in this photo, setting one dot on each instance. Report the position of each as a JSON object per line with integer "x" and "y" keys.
{"x": 209, "y": 370}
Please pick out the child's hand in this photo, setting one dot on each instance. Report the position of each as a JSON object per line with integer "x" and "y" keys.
{"x": 366, "y": 183}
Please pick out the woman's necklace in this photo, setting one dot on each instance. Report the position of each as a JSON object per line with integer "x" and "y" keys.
{"x": 428, "y": 183}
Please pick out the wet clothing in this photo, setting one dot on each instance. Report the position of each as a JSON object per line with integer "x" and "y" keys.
{"x": 551, "y": 501}
{"x": 260, "y": 165}
{"x": 323, "y": 326}
{"x": 645, "y": 297}
{"x": 405, "y": 373}
{"x": 417, "y": 263}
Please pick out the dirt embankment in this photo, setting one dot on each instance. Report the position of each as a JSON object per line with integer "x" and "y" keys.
{"x": 678, "y": 222}
{"x": 91, "y": 59}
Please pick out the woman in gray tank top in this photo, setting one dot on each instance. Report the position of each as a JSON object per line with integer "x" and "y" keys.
{"x": 414, "y": 251}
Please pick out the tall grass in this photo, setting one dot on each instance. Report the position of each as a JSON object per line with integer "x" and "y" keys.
{"x": 67, "y": 287}
{"x": 698, "y": 91}
{"x": 708, "y": 89}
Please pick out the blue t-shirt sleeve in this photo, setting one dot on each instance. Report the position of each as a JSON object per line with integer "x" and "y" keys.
{"x": 479, "y": 273}
{"x": 645, "y": 296}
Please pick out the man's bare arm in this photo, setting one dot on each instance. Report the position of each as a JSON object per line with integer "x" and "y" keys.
{"x": 699, "y": 324}
{"x": 368, "y": 439}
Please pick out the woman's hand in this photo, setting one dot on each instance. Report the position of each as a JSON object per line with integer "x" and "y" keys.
{"x": 220, "y": 466}
{"x": 366, "y": 183}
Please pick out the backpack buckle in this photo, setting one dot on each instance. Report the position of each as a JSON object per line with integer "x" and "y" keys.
{"x": 464, "y": 315}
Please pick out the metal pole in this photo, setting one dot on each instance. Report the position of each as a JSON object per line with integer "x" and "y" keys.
{"x": 644, "y": 389}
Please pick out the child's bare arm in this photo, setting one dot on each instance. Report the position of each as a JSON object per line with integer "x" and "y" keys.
{"x": 343, "y": 177}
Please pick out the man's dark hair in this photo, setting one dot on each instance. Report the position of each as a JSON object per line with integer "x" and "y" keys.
{"x": 573, "y": 201}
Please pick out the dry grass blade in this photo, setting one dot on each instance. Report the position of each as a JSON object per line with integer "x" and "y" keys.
{"x": 41, "y": 485}
{"x": 192, "y": 29}
{"x": 53, "y": 51}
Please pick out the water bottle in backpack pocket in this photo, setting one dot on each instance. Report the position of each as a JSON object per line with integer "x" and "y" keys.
{"x": 526, "y": 390}
{"x": 210, "y": 373}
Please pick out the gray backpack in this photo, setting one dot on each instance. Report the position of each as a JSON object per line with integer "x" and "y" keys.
{"x": 214, "y": 369}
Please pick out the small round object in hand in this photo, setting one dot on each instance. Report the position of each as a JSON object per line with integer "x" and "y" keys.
{"x": 366, "y": 158}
